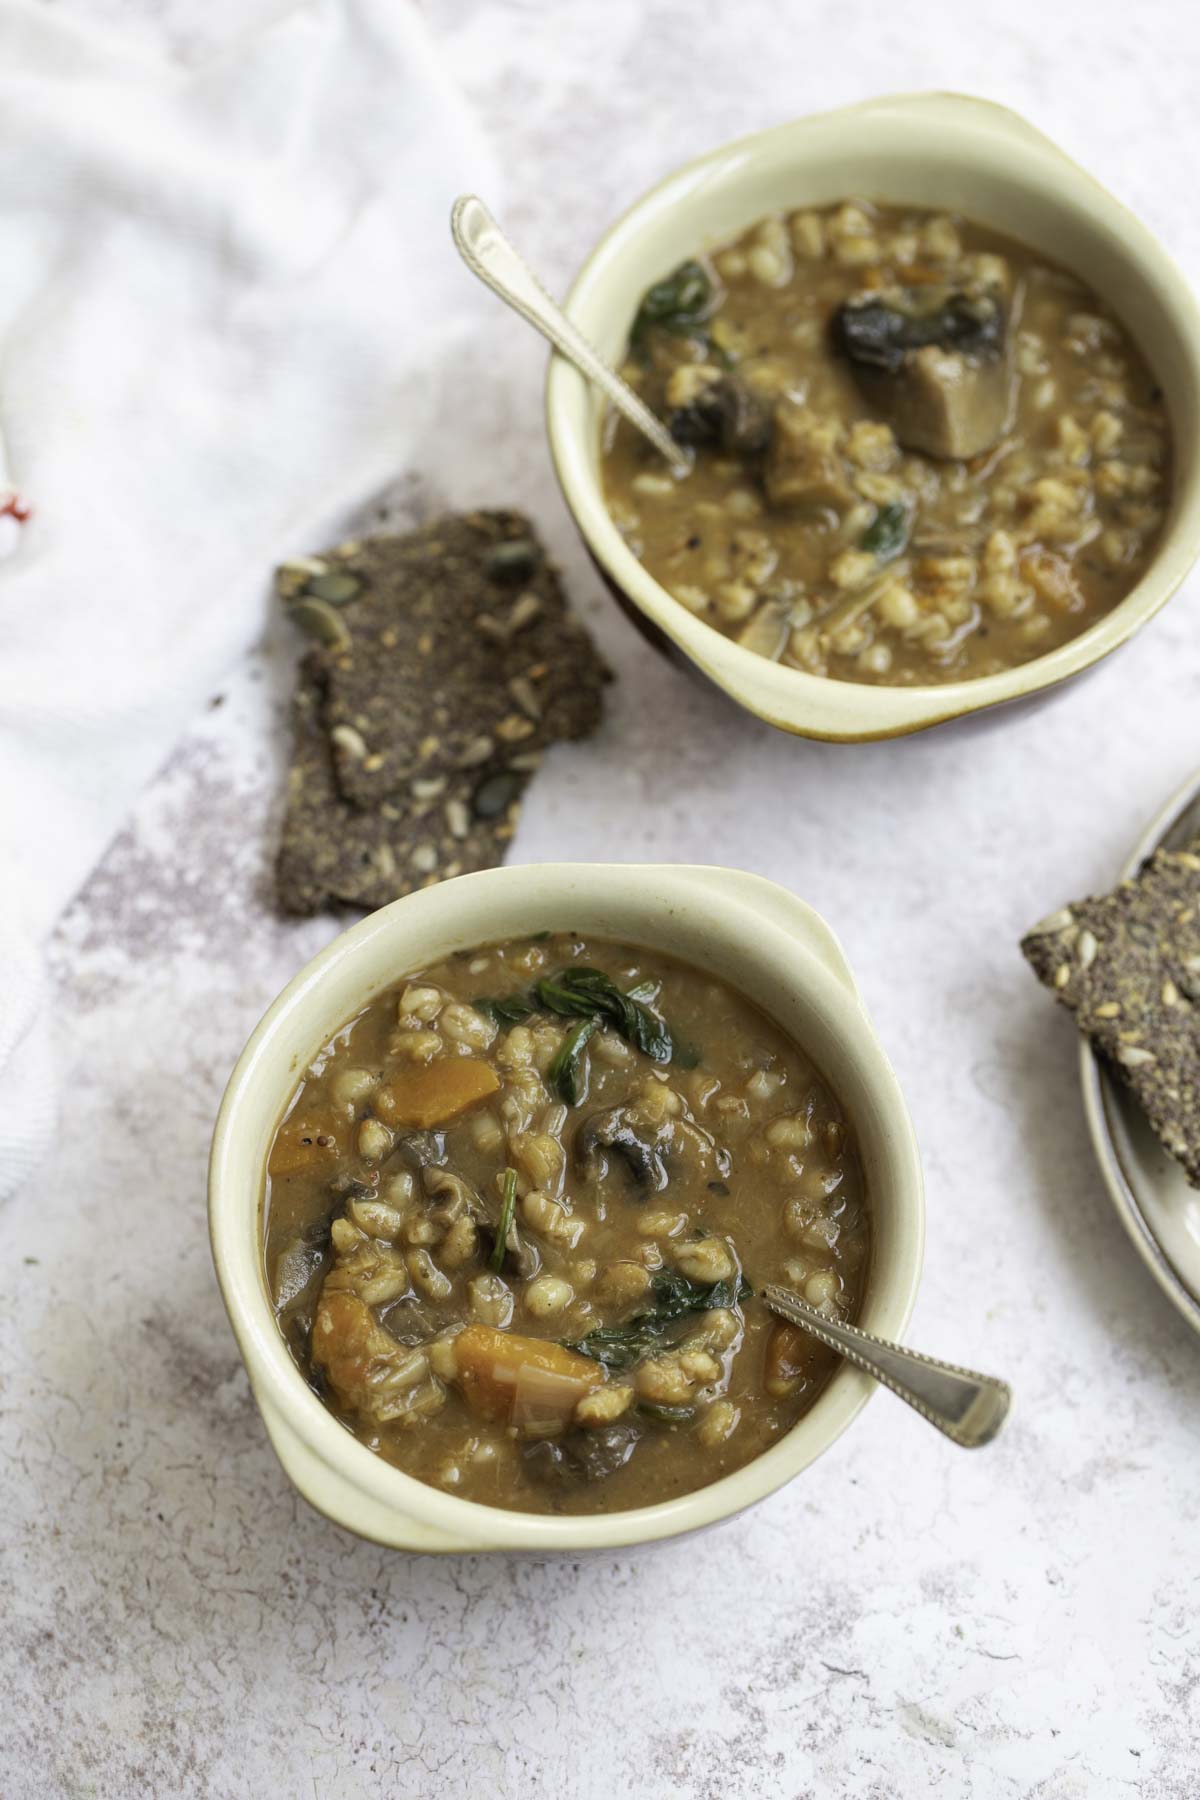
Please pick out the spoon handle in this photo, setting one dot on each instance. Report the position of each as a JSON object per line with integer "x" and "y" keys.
{"x": 489, "y": 255}
{"x": 969, "y": 1408}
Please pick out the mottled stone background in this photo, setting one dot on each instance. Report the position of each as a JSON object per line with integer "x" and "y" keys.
{"x": 905, "y": 1620}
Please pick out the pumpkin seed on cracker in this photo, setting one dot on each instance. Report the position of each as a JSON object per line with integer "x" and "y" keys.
{"x": 334, "y": 852}
{"x": 411, "y": 752}
{"x": 1127, "y": 964}
{"x": 443, "y": 640}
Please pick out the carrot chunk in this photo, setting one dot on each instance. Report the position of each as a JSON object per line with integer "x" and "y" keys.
{"x": 530, "y": 1382}
{"x": 301, "y": 1144}
{"x": 436, "y": 1093}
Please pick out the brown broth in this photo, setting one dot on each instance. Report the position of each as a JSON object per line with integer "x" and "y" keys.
{"x": 1003, "y": 556}
{"x": 381, "y": 1285}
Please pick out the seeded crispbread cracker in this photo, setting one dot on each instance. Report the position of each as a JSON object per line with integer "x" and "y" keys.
{"x": 334, "y": 852}
{"x": 1128, "y": 966}
{"x": 449, "y": 648}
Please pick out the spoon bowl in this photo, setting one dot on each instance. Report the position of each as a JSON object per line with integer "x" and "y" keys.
{"x": 489, "y": 255}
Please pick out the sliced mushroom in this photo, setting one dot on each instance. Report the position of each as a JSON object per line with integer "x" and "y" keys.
{"x": 619, "y": 1132}
{"x": 582, "y": 1455}
{"x": 640, "y": 1138}
{"x": 723, "y": 412}
{"x": 934, "y": 361}
{"x": 803, "y": 470}
{"x": 420, "y": 1148}
{"x": 521, "y": 1258}
{"x": 456, "y": 1195}
{"x": 766, "y": 630}
{"x": 301, "y": 1262}
{"x": 414, "y": 1321}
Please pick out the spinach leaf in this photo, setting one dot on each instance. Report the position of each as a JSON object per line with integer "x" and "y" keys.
{"x": 673, "y": 1297}
{"x": 589, "y": 993}
{"x": 683, "y": 1054}
{"x": 679, "y": 303}
{"x": 509, "y": 1009}
{"x": 887, "y": 534}
{"x": 564, "y": 1072}
{"x": 591, "y": 997}
{"x": 667, "y": 1415}
{"x": 508, "y": 1206}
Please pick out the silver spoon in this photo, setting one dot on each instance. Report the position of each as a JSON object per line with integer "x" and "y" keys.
{"x": 488, "y": 254}
{"x": 968, "y": 1407}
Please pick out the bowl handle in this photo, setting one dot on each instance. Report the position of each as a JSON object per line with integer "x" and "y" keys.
{"x": 329, "y": 1492}
{"x": 943, "y": 104}
{"x": 779, "y": 906}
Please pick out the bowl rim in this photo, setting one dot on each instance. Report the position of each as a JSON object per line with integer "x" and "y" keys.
{"x": 792, "y": 699}
{"x": 274, "y": 1054}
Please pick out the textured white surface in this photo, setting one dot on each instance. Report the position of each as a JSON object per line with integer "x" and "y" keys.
{"x": 905, "y": 1620}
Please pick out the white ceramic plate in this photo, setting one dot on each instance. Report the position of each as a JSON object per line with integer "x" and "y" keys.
{"x": 1157, "y": 1207}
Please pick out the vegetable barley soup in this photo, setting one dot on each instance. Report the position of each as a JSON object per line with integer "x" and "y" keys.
{"x": 518, "y": 1211}
{"x": 920, "y": 452}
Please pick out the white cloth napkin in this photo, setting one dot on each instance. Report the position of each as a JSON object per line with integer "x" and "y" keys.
{"x": 225, "y": 295}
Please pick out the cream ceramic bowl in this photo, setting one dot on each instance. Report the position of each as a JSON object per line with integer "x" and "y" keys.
{"x": 745, "y": 930}
{"x": 927, "y": 150}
